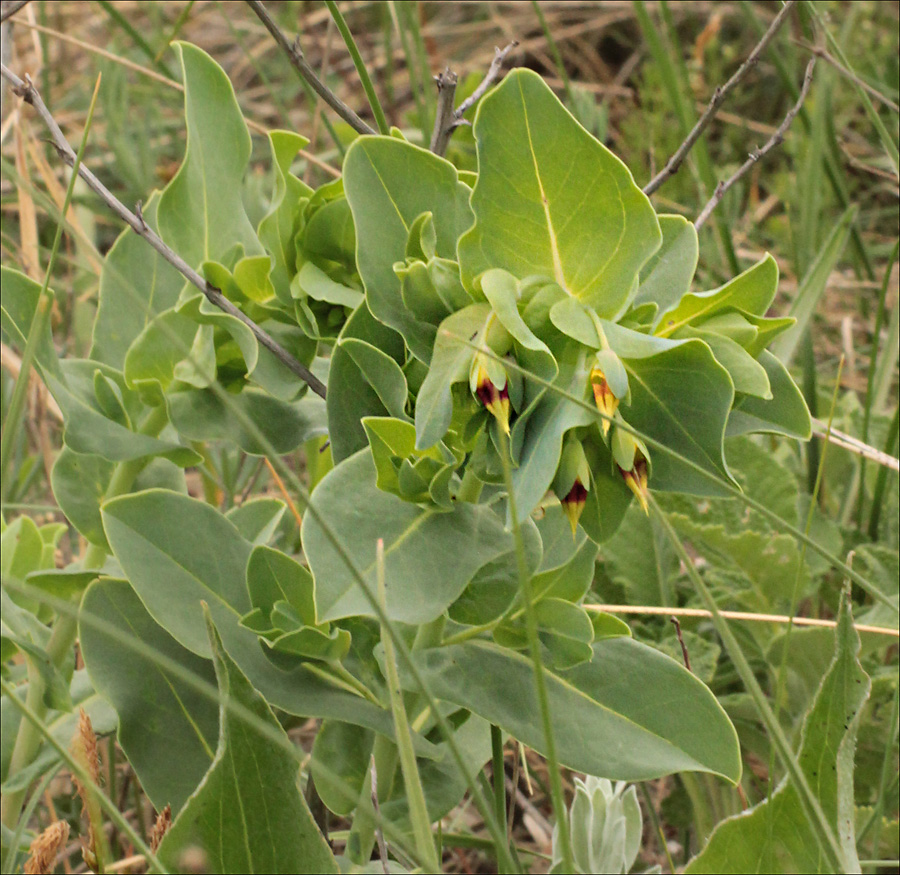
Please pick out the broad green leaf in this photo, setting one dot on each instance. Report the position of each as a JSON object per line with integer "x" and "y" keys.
{"x": 248, "y": 814}
{"x": 340, "y": 763}
{"x": 786, "y": 413}
{"x": 56, "y": 690}
{"x": 201, "y": 215}
{"x": 167, "y": 728}
{"x": 257, "y": 519}
{"x": 747, "y": 374}
{"x": 204, "y": 415}
{"x": 314, "y": 282}
{"x": 552, "y": 200}
{"x": 17, "y": 309}
{"x": 382, "y": 373}
{"x": 631, "y": 737}
{"x": 23, "y": 548}
{"x": 151, "y": 360}
{"x": 421, "y": 583}
{"x": 753, "y": 291}
{"x": 681, "y": 397}
{"x": 776, "y": 836}
{"x": 667, "y": 276}
{"x": 378, "y": 175}
{"x": 564, "y": 630}
{"x": 329, "y": 232}
{"x": 277, "y": 228}
{"x": 135, "y": 286}
{"x": 178, "y": 552}
{"x": 450, "y": 363}
{"x": 273, "y": 576}
{"x": 356, "y": 399}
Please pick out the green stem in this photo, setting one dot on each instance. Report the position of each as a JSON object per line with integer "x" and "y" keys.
{"x": 415, "y": 795}
{"x": 534, "y": 646}
{"x": 557, "y": 58}
{"x": 499, "y": 773}
{"x": 360, "y": 65}
{"x": 882, "y": 481}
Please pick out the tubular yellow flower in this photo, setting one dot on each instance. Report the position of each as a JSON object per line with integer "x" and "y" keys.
{"x": 573, "y": 504}
{"x": 495, "y": 400}
{"x": 603, "y": 397}
{"x": 636, "y": 479}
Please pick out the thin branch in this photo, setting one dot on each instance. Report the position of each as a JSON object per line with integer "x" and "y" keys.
{"x": 12, "y": 8}
{"x": 828, "y": 58}
{"x": 445, "y": 121}
{"x": 27, "y": 91}
{"x": 735, "y": 615}
{"x": 295, "y": 54}
{"x": 776, "y": 139}
{"x": 684, "y": 651}
{"x": 717, "y": 100}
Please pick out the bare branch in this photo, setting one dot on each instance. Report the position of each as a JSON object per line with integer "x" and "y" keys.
{"x": 9, "y": 10}
{"x": 448, "y": 119}
{"x": 776, "y": 139}
{"x": 717, "y": 100}
{"x": 134, "y": 220}
{"x": 444, "y": 119}
{"x": 823, "y": 53}
{"x": 295, "y": 54}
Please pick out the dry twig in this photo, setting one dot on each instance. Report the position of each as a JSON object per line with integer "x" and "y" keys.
{"x": 295, "y": 54}
{"x": 717, "y": 100}
{"x": 448, "y": 119}
{"x": 27, "y": 91}
{"x": 776, "y": 139}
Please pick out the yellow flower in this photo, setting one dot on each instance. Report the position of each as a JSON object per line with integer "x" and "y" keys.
{"x": 603, "y": 397}
{"x": 495, "y": 400}
{"x": 573, "y": 504}
{"x": 636, "y": 479}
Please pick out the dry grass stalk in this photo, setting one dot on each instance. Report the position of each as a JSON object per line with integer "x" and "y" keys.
{"x": 45, "y": 847}
{"x": 86, "y": 753}
{"x": 161, "y": 827}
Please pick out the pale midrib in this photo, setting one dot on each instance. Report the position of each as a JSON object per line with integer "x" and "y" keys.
{"x": 545, "y": 204}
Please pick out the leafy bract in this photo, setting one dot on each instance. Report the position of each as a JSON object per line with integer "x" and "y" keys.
{"x": 601, "y": 726}
{"x": 167, "y": 728}
{"x": 421, "y": 583}
{"x": 378, "y": 180}
{"x": 552, "y": 200}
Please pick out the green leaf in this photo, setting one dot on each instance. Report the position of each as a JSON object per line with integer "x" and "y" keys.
{"x": 382, "y": 373}
{"x": 356, "y": 397}
{"x": 278, "y": 226}
{"x": 631, "y": 738}
{"x": 753, "y": 291}
{"x": 135, "y": 286}
{"x": 421, "y": 583}
{"x": 167, "y": 729}
{"x": 450, "y": 363}
{"x": 776, "y": 836}
{"x": 552, "y": 200}
{"x": 204, "y": 415}
{"x": 178, "y": 552}
{"x": 17, "y": 308}
{"x": 747, "y": 374}
{"x": 681, "y": 397}
{"x": 340, "y": 763}
{"x": 248, "y": 814}
{"x": 377, "y": 179}
{"x": 667, "y": 276}
{"x": 257, "y": 519}
{"x": 79, "y": 483}
{"x": 786, "y": 413}
{"x": 201, "y": 215}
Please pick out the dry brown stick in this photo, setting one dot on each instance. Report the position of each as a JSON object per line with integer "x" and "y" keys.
{"x": 776, "y": 139}
{"x": 718, "y": 98}
{"x": 822, "y": 52}
{"x": 134, "y": 220}
{"x": 295, "y": 54}
{"x": 448, "y": 119}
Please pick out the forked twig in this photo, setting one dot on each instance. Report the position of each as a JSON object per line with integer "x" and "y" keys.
{"x": 776, "y": 139}
{"x": 718, "y": 98}
{"x": 12, "y": 9}
{"x": 26, "y": 90}
{"x": 447, "y": 119}
{"x": 295, "y": 54}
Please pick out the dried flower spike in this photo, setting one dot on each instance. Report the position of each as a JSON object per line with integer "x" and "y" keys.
{"x": 45, "y": 847}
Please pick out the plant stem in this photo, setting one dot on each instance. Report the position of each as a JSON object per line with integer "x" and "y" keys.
{"x": 360, "y": 65}
{"x": 499, "y": 773}
{"x": 534, "y": 645}
{"x": 881, "y": 482}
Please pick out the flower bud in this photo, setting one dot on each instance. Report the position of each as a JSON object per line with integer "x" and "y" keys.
{"x": 573, "y": 504}
{"x": 633, "y": 461}
{"x": 572, "y": 480}
{"x": 636, "y": 479}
